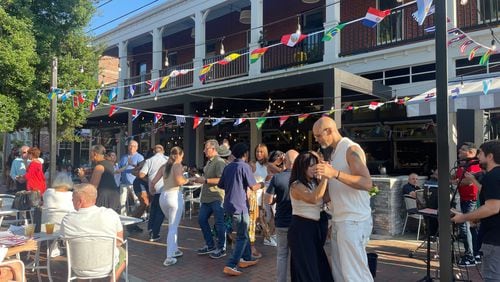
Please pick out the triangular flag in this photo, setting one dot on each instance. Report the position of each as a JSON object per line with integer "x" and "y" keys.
{"x": 81, "y": 100}
{"x": 293, "y": 39}
{"x": 135, "y": 114}
{"x": 431, "y": 11}
{"x": 197, "y": 121}
{"x": 260, "y": 122}
{"x": 429, "y": 96}
{"x": 64, "y": 96}
{"x": 349, "y": 108}
{"x": 455, "y": 92}
{"x": 375, "y": 105}
{"x": 430, "y": 29}
{"x": 204, "y": 71}
{"x": 424, "y": 7}
{"x": 164, "y": 81}
{"x": 374, "y": 16}
{"x": 486, "y": 57}
{"x": 76, "y": 102}
{"x": 329, "y": 34}
{"x": 487, "y": 85}
{"x": 112, "y": 110}
{"x": 131, "y": 91}
{"x": 457, "y": 39}
{"x": 113, "y": 93}
{"x": 92, "y": 107}
{"x": 157, "y": 117}
{"x": 303, "y": 117}
{"x": 473, "y": 52}
{"x": 229, "y": 58}
{"x": 239, "y": 121}
{"x": 464, "y": 45}
{"x": 154, "y": 85}
{"x": 180, "y": 120}
{"x": 174, "y": 73}
{"x": 257, "y": 53}
{"x": 52, "y": 94}
{"x": 283, "y": 119}
{"x": 98, "y": 96}
{"x": 216, "y": 121}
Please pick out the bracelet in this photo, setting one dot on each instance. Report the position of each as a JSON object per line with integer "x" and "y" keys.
{"x": 338, "y": 175}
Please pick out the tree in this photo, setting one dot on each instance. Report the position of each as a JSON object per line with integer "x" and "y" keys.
{"x": 9, "y": 113}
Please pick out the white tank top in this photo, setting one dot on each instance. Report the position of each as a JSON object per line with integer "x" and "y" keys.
{"x": 347, "y": 203}
{"x": 306, "y": 210}
{"x": 260, "y": 173}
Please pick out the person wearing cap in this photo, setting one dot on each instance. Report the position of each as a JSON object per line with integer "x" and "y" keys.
{"x": 211, "y": 201}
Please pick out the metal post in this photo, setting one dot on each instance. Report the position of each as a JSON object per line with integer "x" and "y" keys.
{"x": 53, "y": 123}
{"x": 446, "y": 273}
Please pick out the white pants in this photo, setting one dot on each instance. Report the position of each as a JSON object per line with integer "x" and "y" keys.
{"x": 124, "y": 188}
{"x": 349, "y": 261}
{"x": 172, "y": 205}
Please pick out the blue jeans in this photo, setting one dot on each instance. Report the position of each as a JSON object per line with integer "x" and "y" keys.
{"x": 282, "y": 253}
{"x": 156, "y": 216}
{"x": 242, "y": 248}
{"x": 206, "y": 210}
{"x": 467, "y": 233}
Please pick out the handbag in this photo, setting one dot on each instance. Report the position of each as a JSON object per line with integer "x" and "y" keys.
{"x": 25, "y": 200}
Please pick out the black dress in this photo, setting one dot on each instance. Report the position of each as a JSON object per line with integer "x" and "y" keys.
{"x": 108, "y": 194}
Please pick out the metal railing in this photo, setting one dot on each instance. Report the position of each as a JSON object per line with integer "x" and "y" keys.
{"x": 478, "y": 14}
{"x": 236, "y": 68}
{"x": 309, "y": 51}
{"x": 140, "y": 89}
{"x": 180, "y": 81}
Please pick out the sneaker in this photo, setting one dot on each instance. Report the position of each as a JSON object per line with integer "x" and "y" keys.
{"x": 270, "y": 242}
{"x": 218, "y": 253}
{"x": 478, "y": 259}
{"x": 169, "y": 261}
{"x": 134, "y": 229}
{"x": 153, "y": 238}
{"x": 231, "y": 271}
{"x": 55, "y": 252}
{"x": 178, "y": 253}
{"x": 247, "y": 263}
{"x": 206, "y": 250}
{"x": 467, "y": 261}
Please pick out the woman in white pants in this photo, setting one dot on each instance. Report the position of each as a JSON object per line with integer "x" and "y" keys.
{"x": 171, "y": 200}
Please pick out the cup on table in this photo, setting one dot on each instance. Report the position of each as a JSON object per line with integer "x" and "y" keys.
{"x": 49, "y": 228}
{"x": 29, "y": 230}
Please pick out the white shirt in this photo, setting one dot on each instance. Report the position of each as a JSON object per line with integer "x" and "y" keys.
{"x": 56, "y": 204}
{"x": 151, "y": 168}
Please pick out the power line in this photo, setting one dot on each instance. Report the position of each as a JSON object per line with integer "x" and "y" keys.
{"x": 107, "y": 2}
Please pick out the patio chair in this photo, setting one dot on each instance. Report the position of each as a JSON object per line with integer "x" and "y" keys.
{"x": 7, "y": 200}
{"x": 411, "y": 211}
{"x": 93, "y": 257}
{"x": 10, "y": 262}
{"x": 189, "y": 197}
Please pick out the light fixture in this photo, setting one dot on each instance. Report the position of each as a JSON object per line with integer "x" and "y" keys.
{"x": 245, "y": 16}
{"x": 212, "y": 104}
{"x": 463, "y": 2}
{"x": 310, "y": 1}
{"x": 493, "y": 45}
{"x": 192, "y": 32}
{"x": 166, "y": 58}
{"x": 119, "y": 68}
{"x": 299, "y": 30}
{"x": 222, "y": 51}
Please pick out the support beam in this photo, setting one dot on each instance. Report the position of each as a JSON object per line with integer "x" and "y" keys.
{"x": 199, "y": 19}
{"x": 332, "y": 18}
{"x": 157, "y": 52}
{"x": 124, "y": 69}
{"x": 256, "y": 23}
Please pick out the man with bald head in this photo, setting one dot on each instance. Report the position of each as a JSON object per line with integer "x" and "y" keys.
{"x": 127, "y": 164}
{"x": 90, "y": 219}
{"x": 349, "y": 183}
{"x": 278, "y": 192}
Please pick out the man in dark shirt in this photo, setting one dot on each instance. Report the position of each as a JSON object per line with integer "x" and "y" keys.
{"x": 236, "y": 178}
{"x": 489, "y": 211}
{"x": 278, "y": 192}
{"x": 410, "y": 187}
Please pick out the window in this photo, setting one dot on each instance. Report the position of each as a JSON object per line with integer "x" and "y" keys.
{"x": 404, "y": 75}
{"x": 390, "y": 29}
{"x": 466, "y": 67}
{"x": 488, "y": 10}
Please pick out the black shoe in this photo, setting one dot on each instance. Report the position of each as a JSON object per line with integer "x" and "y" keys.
{"x": 467, "y": 261}
{"x": 153, "y": 238}
{"x": 219, "y": 253}
{"x": 134, "y": 229}
{"x": 206, "y": 250}
{"x": 478, "y": 259}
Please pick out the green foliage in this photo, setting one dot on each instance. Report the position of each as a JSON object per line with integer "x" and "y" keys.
{"x": 9, "y": 113}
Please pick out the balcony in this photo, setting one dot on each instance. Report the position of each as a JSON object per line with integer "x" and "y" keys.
{"x": 236, "y": 68}
{"x": 141, "y": 89}
{"x": 180, "y": 81}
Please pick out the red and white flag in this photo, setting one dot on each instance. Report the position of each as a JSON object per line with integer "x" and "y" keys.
{"x": 283, "y": 119}
{"x": 375, "y": 105}
{"x": 293, "y": 39}
{"x": 112, "y": 110}
{"x": 197, "y": 121}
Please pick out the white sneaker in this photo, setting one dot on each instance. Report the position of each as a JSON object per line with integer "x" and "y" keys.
{"x": 178, "y": 253}
{"x": 55, "y": 252}
{"x": 169, "y": 261}
{"x": 271, "y": 242}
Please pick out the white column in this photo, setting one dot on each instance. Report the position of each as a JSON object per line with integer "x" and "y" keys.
{"x": 199, "y": 42}
{"x": 452, "y": 117}
{"x": 157, "y": 52}
{"x": 332, "y": 18}
{"x": 124, "y": 72}
{"x": 257, "y": 20}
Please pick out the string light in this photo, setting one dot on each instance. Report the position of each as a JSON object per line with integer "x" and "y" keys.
{"x": 463, "y": 2}
{"x": 212, "y": 104}
{"x": 493, "y": 45}
{"x": 299, "y": 29}
{"x": 119, "y": 68}
{"x": 166, "y": 58}
{"x": 222, "y": 51}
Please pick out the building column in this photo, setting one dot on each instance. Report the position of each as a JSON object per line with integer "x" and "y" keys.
{"x": 199, "y": 18}
{"x": 332, "y": 96}
{"x": 157, "y": 52}
{"x": 257, "y": 20}
{"x": 255, "y": 137}
{"x": 124, "y": 69}
{"x": 452, "y": 117}
{"x": 332, "y": 18}
{"x": 200, "y": 143}
{"x": 189, "y": 136}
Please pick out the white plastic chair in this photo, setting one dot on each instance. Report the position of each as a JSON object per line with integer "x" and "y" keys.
{"x": 13, "y": 261}
{"x": 411, "y": 211}
{"x": 93, "y": 257}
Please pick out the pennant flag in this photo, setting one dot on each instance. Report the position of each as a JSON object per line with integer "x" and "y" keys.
{"x": 374, "y": 16}
{"x": 131, "y": 91}
{"x": 154, "y": 85}
{"x": 303, "y": 117}
{"x": 455, "y": 92}
{"x": 487, "y": 85}
{"x": 229, "y": 58}
{"x": 349, "y": 108}
{"x": 112, "y": 110}
{"x": 453, "y": 30}
{"x": 485, "y": 57}
{"x": 92, "y": 107}
{"x": 329, "y": 34}
{"x": 184, "y": 71}
{"x": 260, "y": 122}
{"x": 239, "y": 121}
{"x": 76, "y": 102}
{"x": 217, "y": 121}
{"x": 375, "y": 105}
{"x": 293, "y": 39}
{"x": 431, "y": 11}
{"x": 473, "y": 52}
{"x": 204, "y": 71}
{"x": 424, "y": 7}
{"x": 257, "y": 53}
{"x": 464, "y": 45}
{"x": 157, "y": 117}
{"x": 283, "y": 119}
{"x": 456, "y": 39}
{"x": 180, "y": 120}
{"x": 64, "y": 96}
{"x": 430, "y": 29}
{"x": 81, "y": 100}
{"x": 135, "y": 114}
{"x": 197, "y": 121}
{"x": 402, "y": 101}
{"x": 164, "y": 81}
{"x": 174, "y": 73}
{"x": 52, "y": 95}
{"x": 113, "y": 93}
{"x": 97, "y": 98}
{"x": 428, "y": 97}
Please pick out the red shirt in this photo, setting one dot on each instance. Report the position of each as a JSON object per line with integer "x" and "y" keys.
{"x": 468, "y": 192}
{"x": 35, "y": 179}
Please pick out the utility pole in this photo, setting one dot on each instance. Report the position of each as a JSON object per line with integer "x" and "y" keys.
{"x": 53, "y": 123}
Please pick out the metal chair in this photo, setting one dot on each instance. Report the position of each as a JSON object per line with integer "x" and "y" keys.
{"x": 189, "y": 197}
{"x": 411, "y": 211}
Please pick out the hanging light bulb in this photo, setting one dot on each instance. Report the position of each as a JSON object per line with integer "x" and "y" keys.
{"x": 463, "y": 2}
{"x": 299, "y": 30}
{"x": 222, "y": 51}
{"x": 119, "y": 68}
{"x": 81, "y": 69}
{"x": 212, "y": 104}
{"x": 155, "y": 98}
{"x": 493, "y": 45}
{"x": 166, "y": 58}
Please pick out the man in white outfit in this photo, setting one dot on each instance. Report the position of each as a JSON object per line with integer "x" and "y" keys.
{"x": 350, "y": 181}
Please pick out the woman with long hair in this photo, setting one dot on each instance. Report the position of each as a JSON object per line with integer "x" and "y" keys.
{"x": 307, "y": 231}
{"x": 171, "y": 200}
{"x": 35, "y": 179}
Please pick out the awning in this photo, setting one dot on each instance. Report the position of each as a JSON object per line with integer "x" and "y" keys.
{"x": 470, "y": 96}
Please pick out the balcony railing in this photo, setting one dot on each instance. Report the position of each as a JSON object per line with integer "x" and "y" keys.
{"x": 180, "y": 81}
{"x": 309, "y": 51}
{"x": 140, "y": 89}
{"x": 236, "y": 68}
{"x": 478, "y": 14}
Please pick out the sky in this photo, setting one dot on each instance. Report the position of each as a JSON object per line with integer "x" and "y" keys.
{"x": 113, "y": 9}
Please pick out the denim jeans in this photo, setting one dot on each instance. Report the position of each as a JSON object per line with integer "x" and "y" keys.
{"x": 242, "y": 248}
{"x": 282, "y": 253}
{"x": 467, "y": 233}
{"x": 156, "y": 216}
{"x": 206, "y": 210}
